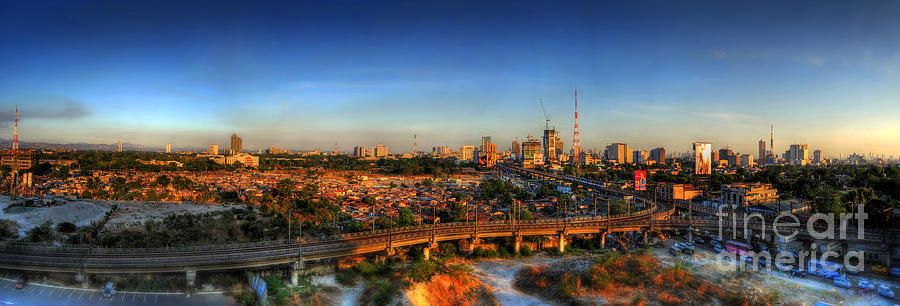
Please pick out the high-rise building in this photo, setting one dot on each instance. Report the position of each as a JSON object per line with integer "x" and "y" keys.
{"x": 213, "y": 150}
{"x": 274, "y": 150}
{"x": 516, "y": 149}
{"x": 119, "y": 147}
{"x": 747, "y": 160}
{"x": 702, "y": 158}
{"x": 658, "y": 155}
{"x": 531, "y": 150}
{"x": 360, "y": 151}
{"x": 798, "y": 154}
{"x": 640, "y": 156}
{"x": 236, "y": 144}
{"x": 380, "y": 151}
{"x": 617, "y": 153}
{"x": 549, "y": 142}
{"x": 168, "y": 148}
{"x": 762, "y": 152}
{"x": 817, "y": 156}
{"x": 442, "y": 151}
{"x": 467, "y": 153}
{"x": 485, "y": 143}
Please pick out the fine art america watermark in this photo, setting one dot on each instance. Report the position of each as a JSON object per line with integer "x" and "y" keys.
{"x": 732, "y": 258}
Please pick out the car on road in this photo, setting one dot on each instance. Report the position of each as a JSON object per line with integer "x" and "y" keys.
{"x": 798, "y": 273}
{"x": 109, "y": 290}
{"x": 699, "y": 240}
{"x": 675, "y": 251}
{"x": 879, "y": 269}
{"x": 21, "y": 282}
{"x": 841, "y": 282}
{"x": 865, "y": 285}
{"x": 823, "y": 273}
{"x": 885, "y": 291}
{"x": 895, "y": 272}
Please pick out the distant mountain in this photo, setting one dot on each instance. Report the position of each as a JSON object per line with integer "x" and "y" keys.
{"x": 81, "y": 146}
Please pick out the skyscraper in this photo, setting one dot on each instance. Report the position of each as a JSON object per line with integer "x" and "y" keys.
{"x": 617, "y": 153}
{"x": 817, "y": 156}
{"x": 168, "y": 148}
{"x": 516, "y": 149}
{"x": 658, "y": 155}
{"x": 380, "y": 151}
{"x": 213, "y": 150}
{"x": 236, "y": 144}
{"x": 762, "y": 152}
{"x": 119, "y": 147}
{"x": 486, "y": 145}
{"x": 549, "y": 142}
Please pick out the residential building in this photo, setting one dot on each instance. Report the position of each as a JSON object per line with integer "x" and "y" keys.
{"x": 467, "y": 153}
{"x": 762, "y": 152}
{"x": 380, "y": 151}
{"x": 617, "y": 153}
{"x": 360, "y": 151}
{"x": 213, "y": 150}
{"x": 747, "y": 160}
{"x": 168, "y": 148}
{"x": 672, "y": 191}
{"x": 745, "y": 194}
{"x": 236, "y": 144}
{"x": 817, "y": 157}
{"x": 658, "y": 155}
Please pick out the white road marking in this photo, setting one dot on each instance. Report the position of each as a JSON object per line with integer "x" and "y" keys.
{"x": 154, "y": 298}
{"x": 132, "y": 297}
{"x": 70, "y": 293}
{"x": 90, "y": 297}
{"x": 145, "y": 299}
{"x": 42, "y": 291}
{"x": 123, "y": 298}
{"x": 80, "y": 295}
{"x": 32, "y": 290}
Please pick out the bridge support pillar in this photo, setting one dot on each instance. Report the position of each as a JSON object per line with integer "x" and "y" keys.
{"x": 890, "y": 254}
{"x": 295, "y": 272}
{"x": 427, "y": 252}
{"x": 645, "y": 240}
{"x": 691, "y": 234}
{"x": 472, "y": 244}
{"x": 518, "y": 243}
{"x": 602, "y": 240}
{"x": 82, "y": 278}
{"x": 190, "y": 276}
{"x": 562, "y": 242}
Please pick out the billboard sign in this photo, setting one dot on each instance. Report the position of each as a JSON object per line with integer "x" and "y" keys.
{"x": 702, "y": 161}
{"x": 640, "y": 180}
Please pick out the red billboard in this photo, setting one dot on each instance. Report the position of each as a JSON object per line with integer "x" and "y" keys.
{"x": 640, "y": 180}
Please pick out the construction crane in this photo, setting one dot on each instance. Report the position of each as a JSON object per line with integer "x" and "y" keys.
{"x": 546, "y": 116}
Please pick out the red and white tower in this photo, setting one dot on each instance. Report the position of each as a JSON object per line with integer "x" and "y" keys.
{"x": 576, "y": 143}
{"x": 16, "y": 133}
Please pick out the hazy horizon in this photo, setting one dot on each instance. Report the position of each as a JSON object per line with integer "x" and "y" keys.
{"x": 303, "y": 76}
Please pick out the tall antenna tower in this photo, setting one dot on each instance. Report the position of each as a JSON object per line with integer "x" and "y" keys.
{"x": 415, "y": 144}
{"x": 16, "y": 134}
{"x": 335, "y": 149}
{"x": 772, "y": 140}
{"x": 576, "y": 143}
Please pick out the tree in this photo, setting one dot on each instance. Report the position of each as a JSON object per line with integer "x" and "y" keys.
{"x": 163, "y": 180}
{"x": 406, "y": 217}
{"x": 65, "y": 227}
{"x": 285, "y": 188}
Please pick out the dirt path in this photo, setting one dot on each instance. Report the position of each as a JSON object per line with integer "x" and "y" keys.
{"x": 499, "y": 275}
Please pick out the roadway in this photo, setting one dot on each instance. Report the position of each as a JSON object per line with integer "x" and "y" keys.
{"x": 40, "y": 294}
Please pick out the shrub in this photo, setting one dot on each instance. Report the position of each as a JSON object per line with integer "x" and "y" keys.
{"x": 525, "y": 251}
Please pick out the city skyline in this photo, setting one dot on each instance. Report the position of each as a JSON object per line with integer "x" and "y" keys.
{"x": 304, "y": 76}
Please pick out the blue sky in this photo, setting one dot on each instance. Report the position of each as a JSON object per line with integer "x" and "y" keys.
{"x": 304, "y": 74}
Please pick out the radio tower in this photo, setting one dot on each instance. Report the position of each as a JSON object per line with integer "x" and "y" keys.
{"x": 335, "y": 149}
{"x": 415, "y": 144}
{"x": 16, "y": 134}
{"x": 772, "y": 140}
{"x": 576, "y": 143}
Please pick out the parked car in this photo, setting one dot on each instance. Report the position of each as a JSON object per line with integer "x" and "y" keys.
{"x": 699, "y": 240}
{"x": 841, "y": 282}
{"x": 885, "y": 291}
{"x": 823, "y": 273}
{"x": 865, "y": 285}
{"x": 798, "y": 273}
{"x": 109, "y": 290}
{"x": 675, "y": 251}
{"x": 895, "y": 272}
{"x": 21, "y": 282}
{"x": 718, "y": 248}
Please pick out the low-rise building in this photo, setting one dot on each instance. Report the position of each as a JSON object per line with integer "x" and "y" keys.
{"x": 744, "y": 194}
